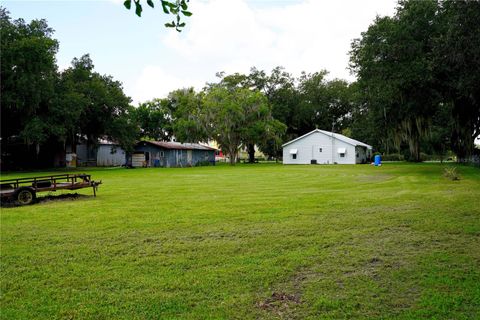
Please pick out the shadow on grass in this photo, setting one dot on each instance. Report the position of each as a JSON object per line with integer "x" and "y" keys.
{"x": 47, "y": 199}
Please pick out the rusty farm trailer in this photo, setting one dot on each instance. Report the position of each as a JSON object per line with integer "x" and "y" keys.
{"x": 24, "y": 190}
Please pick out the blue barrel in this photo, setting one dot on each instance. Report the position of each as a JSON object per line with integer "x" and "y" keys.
{"x": 156, "y": 163}
{"x": 378, "y": 160}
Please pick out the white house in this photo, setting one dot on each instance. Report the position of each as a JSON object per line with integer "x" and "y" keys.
{"x": 324, "y": 147}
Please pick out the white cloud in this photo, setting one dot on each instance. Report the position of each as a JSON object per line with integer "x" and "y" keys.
{"x": 235, "y": 35}
{"x": 154, "y": 82}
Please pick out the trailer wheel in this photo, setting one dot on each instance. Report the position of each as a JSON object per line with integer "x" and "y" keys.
{"x": 25, "y": 196}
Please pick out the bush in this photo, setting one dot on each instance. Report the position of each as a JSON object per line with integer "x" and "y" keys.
{"x": 451, "y": 173}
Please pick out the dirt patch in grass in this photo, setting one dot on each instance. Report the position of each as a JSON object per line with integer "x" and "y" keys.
{"x": 286, "y": 301}
{"x": 47, "y": 199}
{"x": 280, "y": 303}
{"x": 62, "y": 197}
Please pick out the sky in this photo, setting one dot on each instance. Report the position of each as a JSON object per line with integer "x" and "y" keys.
{"x": 222, "y": 35}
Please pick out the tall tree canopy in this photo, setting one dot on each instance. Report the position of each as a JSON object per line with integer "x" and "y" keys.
{"x": 154, "y": 119}
{"x": 95, "y": 106}
{"x": 457, "y": 66}
{"x": 393, "y": 66}
{"x": 28, "y": 74}
{"x": 187, "y": 111}
{"x": 235, "y": 117}
{"x": 46, "y": 109}
{"x": 418, "y": 72}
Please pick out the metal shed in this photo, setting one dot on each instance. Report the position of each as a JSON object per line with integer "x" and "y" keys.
{"x": 103, "y": 154}
{"x": 171, "y": 154}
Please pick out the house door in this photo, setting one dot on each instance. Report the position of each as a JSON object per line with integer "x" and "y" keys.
{"x": 322, "y": 154}
{"x": 163, "y": 163}
{"x": 147, "y": 159}
{"x": 189, "y": 157}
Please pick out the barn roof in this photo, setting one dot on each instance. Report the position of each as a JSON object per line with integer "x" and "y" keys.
{"x": 338, "y": 136}
{"x": 179, "y": 146}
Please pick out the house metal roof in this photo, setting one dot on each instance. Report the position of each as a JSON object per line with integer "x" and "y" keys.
{"x": 179, "y": 146}
{"x": 338, "y": 136}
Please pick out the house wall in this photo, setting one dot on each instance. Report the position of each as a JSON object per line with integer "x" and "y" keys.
{"x": 186, "y": 158}
{"x": 155, "y": 153}
{"x": 100, "y": 155}
{"x": 308, "y": 148}
{"x": 105, "y": 157}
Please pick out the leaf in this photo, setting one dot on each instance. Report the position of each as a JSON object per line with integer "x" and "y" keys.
{"x": 186, "y": 13}
{"x": 170, "y": 25}
{"x": 138, "y": 9}
{"x": 165, "y": 6}
{"x": 150, "y": 3}
{"x": 171, "y": 4}
{"x": 128, "y": 4}
{"x": 184, "y": 5}
{"x": 181, "y": 25}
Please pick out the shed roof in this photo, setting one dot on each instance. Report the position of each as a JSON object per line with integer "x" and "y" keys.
{"x": 338, "y": 136}
{"x": 179, "y": 146}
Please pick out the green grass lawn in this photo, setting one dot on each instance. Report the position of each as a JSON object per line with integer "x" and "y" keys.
{"x": 249, "y": 242}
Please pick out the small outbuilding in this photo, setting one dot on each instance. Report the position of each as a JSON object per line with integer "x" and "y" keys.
{"x": 105, "y": 153}
{"x": 171, "y": 154}
{"x": 324, "y": 147}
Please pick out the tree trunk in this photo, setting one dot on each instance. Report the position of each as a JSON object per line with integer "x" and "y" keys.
{"x": 251, "y": 152}
{"x": 415, "y": 150}
{"x": 233, "y": 157}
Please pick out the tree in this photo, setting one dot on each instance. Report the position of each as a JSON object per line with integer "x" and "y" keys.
{"x": 271, "y": 141}
{"x": 367, "y": 124}
{"x": 457, "y": 70}
{"x": 438, "y": 141}
{"x": 235, "y": 117}
{"x": 46, "y": 109}
{"x": 323, "y": 104}
{"x": 266, "y": 134}
{"x": 177, "y": 8}
{"x": 28, "y": 73}
{"x": 187, "y": 107}
{"x": 94, "y": 106}
{"x": 393, "y": 66}
{"x": 279, "y": 88}
{"x": 154, "y": 119}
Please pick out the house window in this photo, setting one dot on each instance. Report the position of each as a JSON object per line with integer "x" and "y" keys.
{"x": 293, "y": 152}
{"x": 162, "y": 154}
{"x": 342, "y": 155}
{"x": 320, "y": 149}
